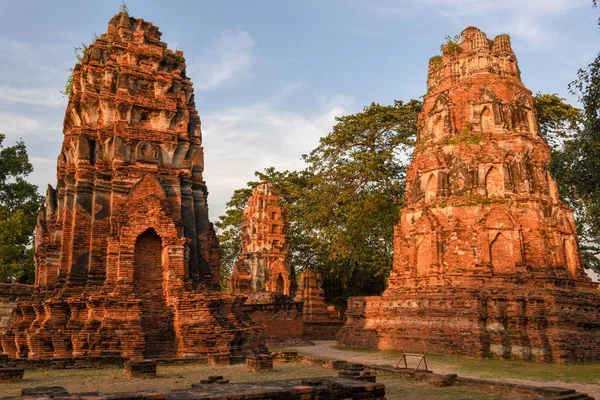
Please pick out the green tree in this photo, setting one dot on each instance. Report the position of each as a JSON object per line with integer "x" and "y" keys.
{"x": 574, "y": 154}
{"x": 229, "y": 232}
{"x": 19, "y": 203}
{"x": 557, "y": 120}
{"x": 343, "y": 207}
{"x": 356, "y": 191}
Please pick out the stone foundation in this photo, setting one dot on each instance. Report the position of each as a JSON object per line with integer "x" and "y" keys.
{"x": 551, "y": 323}
{"x": 293, "y": 389}
{"x": 219, "y": 359}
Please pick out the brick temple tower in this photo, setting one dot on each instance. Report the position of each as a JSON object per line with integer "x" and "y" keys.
{"x": 486, "y": 260}
{"x": 127, "y": 261}
{"x": 262, "y": 266}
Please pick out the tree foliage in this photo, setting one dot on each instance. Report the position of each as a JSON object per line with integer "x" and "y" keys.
{"x": 229, "y": 228}
{"x": 355, "y": 192}
{"x": 574, "y": 135}
{"x": 342, "y": 207}
{"x": 557, "y": 120}
{"x": 19, "y": 202}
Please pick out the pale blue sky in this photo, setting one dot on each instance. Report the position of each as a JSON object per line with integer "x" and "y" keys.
{"x": 271, "y": 75}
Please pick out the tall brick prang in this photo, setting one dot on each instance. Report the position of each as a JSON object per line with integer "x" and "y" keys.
{"x": 486, "y": 260}
{"x": 127, "y": 260}
{"x": 262, "y": 270}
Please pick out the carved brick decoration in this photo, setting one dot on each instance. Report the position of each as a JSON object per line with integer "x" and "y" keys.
{"x": 127, "y": 260}
{"x": 262, "y": 267}
{"x": 486, "y": 261}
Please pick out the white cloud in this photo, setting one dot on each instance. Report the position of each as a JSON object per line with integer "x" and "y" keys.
{"x": 16, "y": 126}
{"x": 230, "y": 55}
{"x": 44, "y": 173}
{"x": 241, "y": 140}
{"x": 529, "y": 20}
{"x": 42, "y": 96}
{"x": 27, "y": 63}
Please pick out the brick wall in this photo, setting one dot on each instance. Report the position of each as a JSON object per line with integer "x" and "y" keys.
{"x": 280, "y": 320}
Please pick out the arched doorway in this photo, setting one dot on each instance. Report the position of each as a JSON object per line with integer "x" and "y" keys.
{"x": 157, "y": 318}
{"x": 438, "y": 127}
{"x": 280, "y": 289}
{"x": 431, "y": 188}
{"x": 487, "y": 121}
{"x": 494, "y": 183}
{"x": 501, "y": 254}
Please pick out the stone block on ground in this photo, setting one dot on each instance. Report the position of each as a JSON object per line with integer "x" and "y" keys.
{"x": 44, "y": 391}
{"x": 140, "y": 368}
{"x": 259, "y": 362}
{"x": 219, "y": 359}
{"x": 285, "y": 356}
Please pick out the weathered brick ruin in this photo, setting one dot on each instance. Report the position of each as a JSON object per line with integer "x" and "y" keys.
{"x": 486, "y": 261}
{"x": 263, "y": 274}
{"x": 262, "y": 271}
{"x": 127, "y": 260}
{"x": 321, "y": 321}
{"x": 10, "y": 294}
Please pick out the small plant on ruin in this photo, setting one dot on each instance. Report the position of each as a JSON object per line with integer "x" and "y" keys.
{"x": 451, "y": 46}
{"x": 178, "y": 57}
{"x": 69, "y": 85}
{"x": 123, "y": 9}
{"x": 435, "y": 61}
{"x": 79, "y": 53}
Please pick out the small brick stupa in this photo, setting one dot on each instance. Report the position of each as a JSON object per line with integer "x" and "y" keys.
{"x": 262, "y": 272}
{"x": 127, "y": 261}
{"x": 486, "y": 260}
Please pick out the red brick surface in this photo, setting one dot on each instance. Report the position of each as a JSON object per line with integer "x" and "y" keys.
{"x": 486, "y": 261}
{"x": 127, "y": 260}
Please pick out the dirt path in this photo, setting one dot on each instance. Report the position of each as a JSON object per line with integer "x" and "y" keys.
{"x": 326, "y": 349}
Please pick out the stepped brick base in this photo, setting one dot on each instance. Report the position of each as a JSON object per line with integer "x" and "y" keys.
{"x": 110, "y": 322}
{"x": 546, "y": 322}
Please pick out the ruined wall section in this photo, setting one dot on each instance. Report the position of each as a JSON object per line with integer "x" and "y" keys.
{"x": 10, "y": 294}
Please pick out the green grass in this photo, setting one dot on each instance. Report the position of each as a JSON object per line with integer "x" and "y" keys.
{"x": 398, "y": 387}
{"x": 491, "y": 368}
{"x": 112, "y": 379}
